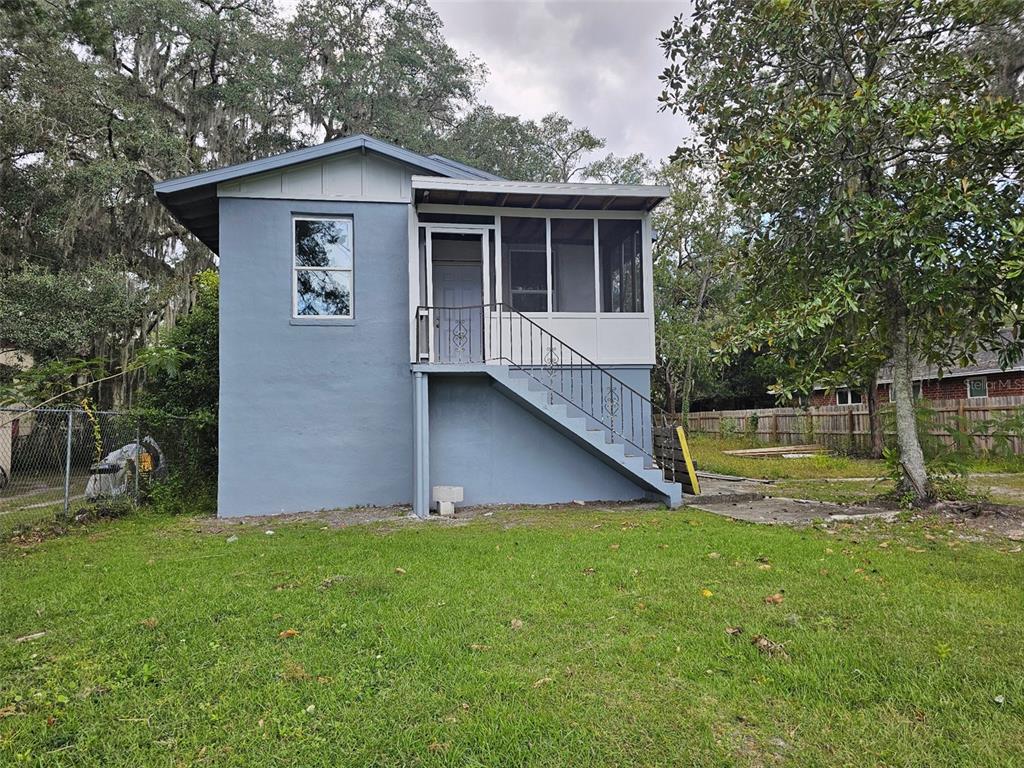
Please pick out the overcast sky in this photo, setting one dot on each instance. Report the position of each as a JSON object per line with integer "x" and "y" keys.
{"x": 595, "y": 61}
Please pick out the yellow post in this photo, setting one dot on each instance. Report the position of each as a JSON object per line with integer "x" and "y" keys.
{"x": 690, "y": 470}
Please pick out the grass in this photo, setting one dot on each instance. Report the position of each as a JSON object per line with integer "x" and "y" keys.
{"x": 549, "y": 638}
{"x": 708, "y": 453}
{"x": 835, "y": 491}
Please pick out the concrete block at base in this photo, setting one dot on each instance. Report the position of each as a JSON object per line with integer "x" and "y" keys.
{"x": 445, "y": 496}
{"x": 451, "y": 493}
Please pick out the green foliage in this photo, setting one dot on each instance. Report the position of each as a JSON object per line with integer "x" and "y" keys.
{"x": 384, "y": 68}
{"x": 552, "y": 149}
{"x": 55, "y": 382}
{"x": 179, "y": 406}
{"x": 875, "y": 169}
{"x": 62, "y": 315}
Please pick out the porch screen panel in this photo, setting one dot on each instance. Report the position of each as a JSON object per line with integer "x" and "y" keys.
{"x": 572, "y": 262}
{"x": 621, "y": 260}
{"x": 524, "y": 263}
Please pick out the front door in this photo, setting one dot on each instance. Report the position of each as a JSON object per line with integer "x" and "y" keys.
{"x": 458, "y": 314}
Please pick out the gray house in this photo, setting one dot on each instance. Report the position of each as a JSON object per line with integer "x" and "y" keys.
{"x": 393, "y": 322}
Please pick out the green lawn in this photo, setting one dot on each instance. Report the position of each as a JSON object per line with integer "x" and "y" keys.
{"x": 548, "y": 638}
{"x": 707, "y": 453}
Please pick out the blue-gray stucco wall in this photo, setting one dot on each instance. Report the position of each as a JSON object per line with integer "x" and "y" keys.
{"x": 312, "y": 416}
{"x": 501, "y": 453}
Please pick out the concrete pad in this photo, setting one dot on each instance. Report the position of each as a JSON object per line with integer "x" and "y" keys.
{"x": 774, "y": 511}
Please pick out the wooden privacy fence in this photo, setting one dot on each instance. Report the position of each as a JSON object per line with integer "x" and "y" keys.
{"x": 845, "y": 427}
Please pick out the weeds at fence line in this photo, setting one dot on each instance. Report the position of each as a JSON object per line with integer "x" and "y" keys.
{"x": 62, "y": 466}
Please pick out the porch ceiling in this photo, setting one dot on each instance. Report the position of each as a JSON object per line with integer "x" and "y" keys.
{"x": 518, "y": 194}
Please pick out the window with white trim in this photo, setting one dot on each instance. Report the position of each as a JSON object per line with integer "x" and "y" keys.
{"x": 847, "y": 396}
{"x": 322, "y": 267}
{"x": 977, "y": 387}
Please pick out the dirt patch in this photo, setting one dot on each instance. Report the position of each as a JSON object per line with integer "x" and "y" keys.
{"x": 393, "y": 518}
{"x": 334, "y": 518}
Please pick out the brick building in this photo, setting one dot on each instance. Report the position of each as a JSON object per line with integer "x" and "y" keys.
{"x": 983, "y": 379}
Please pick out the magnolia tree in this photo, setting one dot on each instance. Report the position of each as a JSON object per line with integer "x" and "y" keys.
{"x": 872, "y": 151}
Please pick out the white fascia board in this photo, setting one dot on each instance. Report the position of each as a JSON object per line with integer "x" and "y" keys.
{"x": 586, "y": 189}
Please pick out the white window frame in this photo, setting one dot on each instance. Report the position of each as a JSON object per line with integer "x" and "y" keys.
{"x": 848, "y": 392}
{"x": 296, "y": 269}
{"x": 983, "y": 380}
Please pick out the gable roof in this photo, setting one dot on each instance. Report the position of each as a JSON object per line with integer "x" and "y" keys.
{"x": 192, "y": 200}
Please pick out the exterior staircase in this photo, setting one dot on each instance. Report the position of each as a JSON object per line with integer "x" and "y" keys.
{"x": 531, "y": 393}
{"x": 574, "y": 395}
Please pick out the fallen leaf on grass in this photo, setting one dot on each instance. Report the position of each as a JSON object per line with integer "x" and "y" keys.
{"x": 400, "y": 571}
{"x": 542, "y": 681}
{"x": 765, "y": 566}
{"x": 439, "y": 746}
{"x": 294, "y": 671}
{"x": 663, "y": 546}
{"x": 516, "y": 623}
{"x": 150, "y": 623}
{"x": 613, "y": 546}
{"x": 714, "y": 555}
{"x": 769, "y": 647}
{"x": 733, "y": 631}
{"x": 775, "y": 599}
{"x": 589, "y": 571}
{"x": 479, "y": 647}
{"x": 289, "y": 633}
{"x": 707, "y": 592}
{"x": 30, "y": 637}
{"x": 8, "y": 711}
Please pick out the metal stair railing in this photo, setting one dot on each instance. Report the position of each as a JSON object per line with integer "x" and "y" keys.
{"x": 497, "y": 333}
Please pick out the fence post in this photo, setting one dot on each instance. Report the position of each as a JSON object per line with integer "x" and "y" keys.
{"x": 67, "y": 465}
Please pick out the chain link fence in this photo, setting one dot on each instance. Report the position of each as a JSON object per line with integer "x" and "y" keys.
{"x": 58, "y": 464}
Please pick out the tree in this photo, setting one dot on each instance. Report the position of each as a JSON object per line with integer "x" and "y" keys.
{"x": 380, "y": 67}
{"x": 100, "y": 99}
{"x": 552, "y": 149}
{"x": 628, "y": 169}
{"x": 876, "y": 172}
{"x": 694, "y": 286}
{"x": 181, "y": 398}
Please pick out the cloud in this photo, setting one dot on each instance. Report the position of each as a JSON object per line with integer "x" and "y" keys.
{"x": 596, "y": 62}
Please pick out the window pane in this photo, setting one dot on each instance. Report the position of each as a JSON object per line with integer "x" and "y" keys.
{"x": 572, "y": 261}
{"x": 977, "y": 388}
{"x": 323, "y": 243}
{"x": 524, "y": 263}
{"x": 622, "y": 283}
{"x": 323, "y": 293}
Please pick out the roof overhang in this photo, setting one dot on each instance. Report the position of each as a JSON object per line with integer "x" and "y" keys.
{"x": 528, "y": 194}
{"x": 192, "y": 200}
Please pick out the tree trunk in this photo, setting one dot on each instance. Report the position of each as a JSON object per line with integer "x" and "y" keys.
{"x": 875, "y": 420}
{"x": 915, "y": 475}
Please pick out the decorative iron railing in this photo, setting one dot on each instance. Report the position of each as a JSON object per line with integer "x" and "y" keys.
{"x": 496, "y": 334}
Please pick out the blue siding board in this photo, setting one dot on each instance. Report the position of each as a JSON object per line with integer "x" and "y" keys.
{"x": 312, "y": 416}
{"x": 501, "y": 453}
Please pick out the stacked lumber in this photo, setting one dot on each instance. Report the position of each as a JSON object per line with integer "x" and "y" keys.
{"x": 778, "y": 450}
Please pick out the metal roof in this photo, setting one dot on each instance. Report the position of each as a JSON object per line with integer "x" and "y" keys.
{"x": 532, "y": 194}
{"x": 192, "y": 200}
